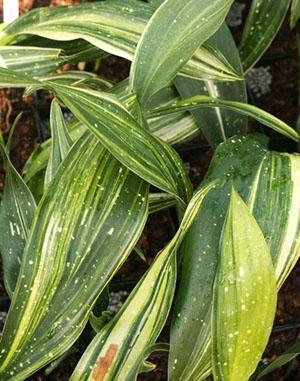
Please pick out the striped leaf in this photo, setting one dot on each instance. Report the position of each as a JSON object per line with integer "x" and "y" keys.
{"x": 16, "y": 216}
{"x": 182, "y": 26}
{"x": 260, "y": 115}
{"x": 61, "y": 141}
{"x": 30, "y": 60}
{"x": 295, "y": 12}
{"x": 262, "y": 24}
{"x": 242, "y": 315}
{"x": 9, "y": 78}
{"x": 262, "y": 178}
{"x": 112, "y": 26}
{"x": 89, "y": 219}
{"x": 218, "y": 124}
{"x": 119, "y": 349}
{"x": 135, "y": 147}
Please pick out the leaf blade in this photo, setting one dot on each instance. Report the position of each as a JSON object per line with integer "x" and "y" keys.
{"x": 244, "y": 269}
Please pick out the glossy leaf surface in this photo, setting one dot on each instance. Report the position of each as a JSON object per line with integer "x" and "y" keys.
{"x": 89, "y": 218}
{"x": 119, "y": 349}
{"x": 242, "y": 316}
{"x": 61, "y": 141}
{"x": 16, "y": 216}
{"x": 267, "y": 181}
{"x": 112, "y": 26}
{"x": 218, "y": 124}
{"x": 135, "y": 147}
{"x": 262, "y": 24}
{"x": 239, "y": 107}
{"x": 182, "y": 26}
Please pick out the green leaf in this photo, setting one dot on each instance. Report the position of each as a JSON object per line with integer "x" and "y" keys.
{"x": 182, "y": 26}
{"x": 112, "y": 26}
{"x": 262, "y": 24}
{"x": 9, "y": 78}
{"x": 289, "y": 355}
{"x": 61, "y": 141}
{"x": 16, "y": 216}
{"x": 137, "y": 325}
{"x": 262, "y": 178}
{"x": 90, "y": 218}
{"x": 242, "y": 315}
{"x": 260, "y": 115}
{"x": 295, "y": 13}
{"x": 135, "y": 147}
{"x": 218, "y": 124}
{"x": 30, "y": 60}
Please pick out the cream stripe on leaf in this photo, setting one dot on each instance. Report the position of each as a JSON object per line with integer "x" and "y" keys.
{"x": 86, "y": 224}
{"x": 112, "y": 26}
{"x": 16, "y": 216}
{"x": 239, "y": 107}
{"x": 183, "y": 26}
{"x": 118, "y": 350}
{"x": 135, "y": 147}
{"x": 268, "y": 182}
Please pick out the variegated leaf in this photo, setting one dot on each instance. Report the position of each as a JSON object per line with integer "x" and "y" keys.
{"x": 242, "y": 315}
{"x": 119, "y": 349}
{"x": 239, "y": 107}
{"x": 218, "y": 124}
{"x": 135, "y": 147}
{"x": 262, "y": 24}
{"x": 112, "y": 26}
{"x": 61, "y": 141}
{"x": 268, "y": 182}
{"x": 89, "y": 219}
{"x": 183, "y": 26}
{"x": 16, "y": 216}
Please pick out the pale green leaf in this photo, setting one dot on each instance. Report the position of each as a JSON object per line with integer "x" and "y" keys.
{"x": 61, "y": 141}
{"x": 262, "y": 24}
{"x": 260, "y": 115}
{"x": 89, "y": 219}
{"x": 182, "y": 26}
{"x": 137, "y": 325}
{"x": 242, "y": 315}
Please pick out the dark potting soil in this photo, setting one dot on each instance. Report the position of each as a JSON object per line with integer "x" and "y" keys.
{"x": 282, "y": 101}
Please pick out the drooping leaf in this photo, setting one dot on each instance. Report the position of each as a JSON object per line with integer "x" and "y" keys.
{"x": 61, "y": 141}
{"x": 89, "y": 219}
{"x": 135, "y": 147}
{"x": 239, "y": 107}
{"x": 242, "y": 316}
{"x": 218, "y": 124}
{"x": 262, "y": 24}
{"x": 295, "y": 12}
{"x": 112, "y": 26}
{"x": 289, "y": 355}
{"x": 137, "y": 325}
{"x": 182, "y": 26}
{"x": 262, "y": 178}
{"x": 16, "y": 216}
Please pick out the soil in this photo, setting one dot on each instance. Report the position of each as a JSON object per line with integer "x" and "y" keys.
{"x": 282, "y": 102}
